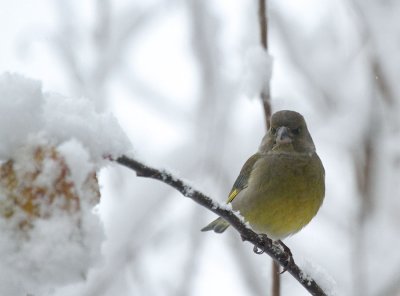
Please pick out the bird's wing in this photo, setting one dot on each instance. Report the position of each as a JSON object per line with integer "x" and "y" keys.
{"x": 243, "y": 178}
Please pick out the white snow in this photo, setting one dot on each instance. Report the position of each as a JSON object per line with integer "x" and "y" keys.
{"x": 321, "y": 276}
{"x": 56, "y": 253}
{"x": 20, "y": 106}
{"x": 67, "y": 118}
{"x": 50, "y": 149}
{"x": 78, "y": 160}
{"x": 225, "y": 206}
{"x": 25, "y": 110}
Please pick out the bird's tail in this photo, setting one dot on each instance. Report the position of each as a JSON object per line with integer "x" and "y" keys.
{"x": 218, "y": 225}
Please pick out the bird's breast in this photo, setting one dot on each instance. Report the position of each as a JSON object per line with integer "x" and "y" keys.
{"x": 284, "y": 193}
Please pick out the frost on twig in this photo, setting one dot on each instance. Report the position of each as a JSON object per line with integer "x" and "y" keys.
{"x": 260, "y": 242}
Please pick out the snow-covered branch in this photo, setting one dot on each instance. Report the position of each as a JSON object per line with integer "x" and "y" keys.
{"x": 261, "y": 243}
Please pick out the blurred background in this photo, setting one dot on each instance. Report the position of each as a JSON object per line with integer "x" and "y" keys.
{"x": 181, "y": 78}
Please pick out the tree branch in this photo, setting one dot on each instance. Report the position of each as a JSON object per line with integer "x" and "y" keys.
{"x": 260, "y": 242}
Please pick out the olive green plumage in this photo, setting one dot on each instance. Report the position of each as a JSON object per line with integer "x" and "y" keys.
{"x": 281, "y": 187}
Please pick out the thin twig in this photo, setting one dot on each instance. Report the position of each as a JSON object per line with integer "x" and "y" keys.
{"x": 262, "y": 16}
{"x": 263, "y": 21}
{"x": 260, "y": 242}
{"x": 276, "y": 279}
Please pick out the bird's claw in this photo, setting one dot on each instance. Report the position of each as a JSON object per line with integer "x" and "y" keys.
{"x": 268, "y": 242}
{"x": 289, "y": 256}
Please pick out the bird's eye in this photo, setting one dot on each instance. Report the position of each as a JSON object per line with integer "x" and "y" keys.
{"x": 296, "y": 131}
{"x": 273, "y": 130}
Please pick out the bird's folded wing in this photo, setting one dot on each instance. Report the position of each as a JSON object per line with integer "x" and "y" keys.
{"x": 243, "y": 178}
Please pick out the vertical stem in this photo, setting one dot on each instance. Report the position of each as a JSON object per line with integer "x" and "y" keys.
{"x": 266, "y": 102}
{"x": 262, "y": 16}
{"x": 263, "y": 22}
{"x": 276, "y": 282}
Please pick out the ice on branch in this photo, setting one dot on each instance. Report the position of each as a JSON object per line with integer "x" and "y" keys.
{"x": 51, "y": 148}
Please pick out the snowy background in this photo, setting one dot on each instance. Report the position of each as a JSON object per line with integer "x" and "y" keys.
{"x": 182, "y": 80}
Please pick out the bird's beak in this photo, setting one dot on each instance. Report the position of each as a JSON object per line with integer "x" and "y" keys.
{"x": 283, "y": 135}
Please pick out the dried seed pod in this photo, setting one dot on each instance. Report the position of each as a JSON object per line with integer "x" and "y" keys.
{"x": 40, "y": 183}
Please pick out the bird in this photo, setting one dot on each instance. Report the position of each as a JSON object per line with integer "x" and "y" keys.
{"x": 281, "y": 187}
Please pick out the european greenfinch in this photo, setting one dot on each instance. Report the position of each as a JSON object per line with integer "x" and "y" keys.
{"x": 282, "y": 186}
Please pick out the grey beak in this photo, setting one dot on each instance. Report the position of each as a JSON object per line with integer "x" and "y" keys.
{"x": 283, "y": 135}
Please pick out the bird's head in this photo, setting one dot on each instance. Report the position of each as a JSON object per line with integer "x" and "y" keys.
{"x": 288, "y": 132}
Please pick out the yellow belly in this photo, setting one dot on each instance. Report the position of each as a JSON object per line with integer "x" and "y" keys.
{"x": 283, "y": 194}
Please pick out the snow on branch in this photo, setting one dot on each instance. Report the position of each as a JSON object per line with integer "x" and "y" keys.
{"x": 261, "y": 243}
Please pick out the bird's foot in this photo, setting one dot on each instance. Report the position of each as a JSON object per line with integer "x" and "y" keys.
{"x": 289, "y": 256}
